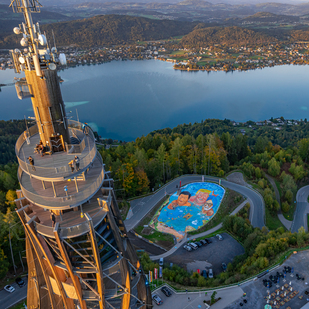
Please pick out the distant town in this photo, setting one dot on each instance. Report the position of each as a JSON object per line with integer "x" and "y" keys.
{"x": 213, "y": 58}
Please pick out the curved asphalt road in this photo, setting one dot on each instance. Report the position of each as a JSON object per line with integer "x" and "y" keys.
{"x": 141, "y": 207}
{"x": 302, "y": 208}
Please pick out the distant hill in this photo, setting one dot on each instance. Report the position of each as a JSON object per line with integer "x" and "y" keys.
{"x": 109, "y": 30}
{"x": 9, "y": 20}
{"x": 267, "y": 17}
{"x": 195, "y": 3}
{"x": 224, "y": 35}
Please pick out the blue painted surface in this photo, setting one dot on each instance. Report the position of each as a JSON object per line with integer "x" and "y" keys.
{"x": 198, "y": 204}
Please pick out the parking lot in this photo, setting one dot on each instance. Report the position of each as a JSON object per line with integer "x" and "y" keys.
{"x": 210, "y": 256}
{"x": 256, "y": 292}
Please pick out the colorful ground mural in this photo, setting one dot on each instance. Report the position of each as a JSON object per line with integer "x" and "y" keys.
{"x": 188, "y": 209}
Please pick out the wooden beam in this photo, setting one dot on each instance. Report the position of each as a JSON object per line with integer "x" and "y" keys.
{"x": 59, "y": 283}
{"x": 76, "y": 184}
{"x": 28, "y": 235}
{"x": 97, "y": 259}
{"x": 55, "y": 193}
{"x": 69, "y": 267}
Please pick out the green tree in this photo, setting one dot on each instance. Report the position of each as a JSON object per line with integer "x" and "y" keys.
{"x": 258, "y": 173}
{"x": 160, "y": 155}
{"x": 273, "y": 167}
{"x": 289, "y": 196}
{"x": 213, "y": 298}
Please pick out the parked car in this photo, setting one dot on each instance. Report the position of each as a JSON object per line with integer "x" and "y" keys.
{"x": 157, "y": 299}
{"x": 203, "y": 242}
{"x": 199, "y": 244}
{"x": 224, "y": 267}
{"x": 219, "y": 237}
{"x": 20, "y": 282}
{"x": 193, "y": 245}
{"x": 204, "y": 273}
{"x": 188, "y": 248}
{"x": 161, "y": 261}
{"x": 9, "y": 288}
{"x": 208, "y": 240}
{"x": 210, "y": 273}
{"x": 166, "y": 291}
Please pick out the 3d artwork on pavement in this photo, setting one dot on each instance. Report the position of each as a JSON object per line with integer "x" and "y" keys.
{"x": 188, "y": 209}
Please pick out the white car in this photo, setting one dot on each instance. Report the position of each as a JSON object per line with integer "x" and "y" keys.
{"x": 219, "y": 237}
{"x": 210, "y": 273}
{"x": 188, "y": 248}
{"x": 9, "y": 288}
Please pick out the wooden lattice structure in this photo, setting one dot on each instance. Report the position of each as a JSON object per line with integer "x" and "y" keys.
{"x": 78, "y": 251}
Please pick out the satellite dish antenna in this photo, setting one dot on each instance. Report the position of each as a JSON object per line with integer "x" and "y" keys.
{"x": 52, "y": 67}
{"x": 42, "y": 39}
{"x": 16, "y": 30}
{"x": 23, "y": 42}
{"x": 21, "y": 60}
{"x": 62, "y": 59}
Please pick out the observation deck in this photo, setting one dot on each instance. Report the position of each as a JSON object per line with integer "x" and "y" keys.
{"x": 55, "y": 167}
{"x": 72, "y": 223}
{"x": 51, "y": 195}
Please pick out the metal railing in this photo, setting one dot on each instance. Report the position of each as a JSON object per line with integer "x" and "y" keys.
{"x": 64, "y": 201}
{"x": 57, "y": 171}
{"x": 70, "y": 231}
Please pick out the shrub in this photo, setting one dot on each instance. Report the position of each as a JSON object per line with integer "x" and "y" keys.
{"x": 288, "y": 196}
{"x": 285, "y": 206}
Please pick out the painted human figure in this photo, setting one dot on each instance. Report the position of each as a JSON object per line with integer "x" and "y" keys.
{"x": 207, "y": 208}
{"x": 183, "y": 200}
{"x": 200, "y": 197}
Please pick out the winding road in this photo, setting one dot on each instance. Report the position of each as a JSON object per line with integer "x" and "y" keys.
{"x": 302, "y": 209}
{"x": 142, "y": 206}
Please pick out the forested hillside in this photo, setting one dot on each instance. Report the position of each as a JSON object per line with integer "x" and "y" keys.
{"x": 231, "y": 36}
{"x": 213, "y": 147}
{"x": 110, "y": 29}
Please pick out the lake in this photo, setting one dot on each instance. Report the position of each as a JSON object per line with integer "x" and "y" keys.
{"x": 127, "y": 99}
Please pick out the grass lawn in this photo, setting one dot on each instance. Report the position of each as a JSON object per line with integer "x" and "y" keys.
{"x": 178, "y": 52}
{"x": 230, "y": 201}
{"x": 272, "y": 222}
{"x": 203, "y": 63}
{"x": 164, "y": 240}
{"x": 20, "y": 305}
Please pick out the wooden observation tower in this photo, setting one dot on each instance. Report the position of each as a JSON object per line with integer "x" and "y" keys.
{"x": 78, "y": 251}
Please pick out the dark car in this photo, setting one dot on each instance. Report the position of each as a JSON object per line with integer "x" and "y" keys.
{"x": 204, "y": 273}
{"x": 208, "y": 240}
{"x": 224, "y": 267}
{"x": 203, "y": 242}
{"x": 20, "y": 282}
{"x": 166, "y": 291}
{"x": 199, "y": 244}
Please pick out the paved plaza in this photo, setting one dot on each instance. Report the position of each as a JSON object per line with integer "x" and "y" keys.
{"x": 288, "y": 293}
{"x": 181, "y": 301}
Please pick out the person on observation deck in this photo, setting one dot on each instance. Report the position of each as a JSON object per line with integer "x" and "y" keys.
{"x": 76, "y": 160}
{"x": 31, "y": 162}
{"x": 71, "y": 164}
